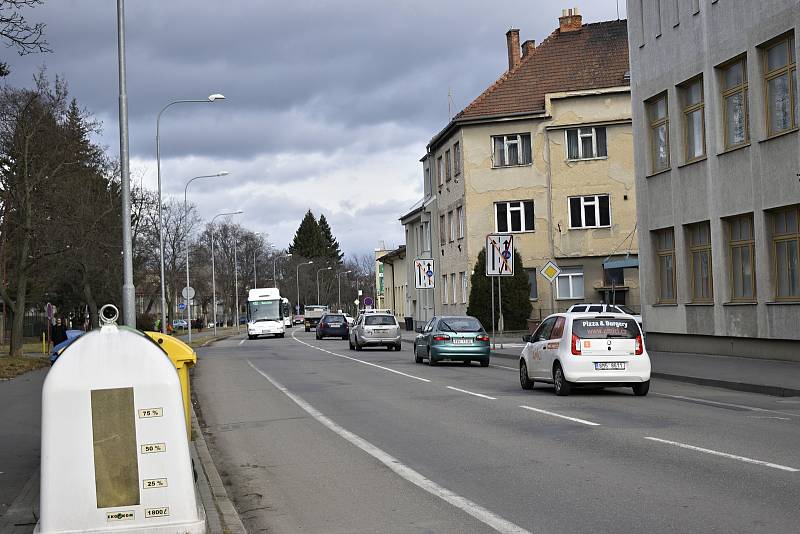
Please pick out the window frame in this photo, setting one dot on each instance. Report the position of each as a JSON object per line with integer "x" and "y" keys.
{"x": 596, "y": 202}
{"x": 700, "y": 248}
{"x": 455, "y": 287}
{"x": 442, "y": 230}
{"x": 426, "y": 235}
{"x": 456, "y": 158}
{"x": 448, "y": 173}
{"x": 567, "y": 274}
{"x": 451, "y": 227}
{"x": 440, "y": 171}
{"x": 687, "y": 110}
{"x": 521, "y": 209}
{"x": 580, "y": 133}
{"x": 666, "y": 253}
{"x": 444, "y": 289}
{"x": 460, "y": 217}
{"x": 653, "y": 125}
{"x": 519, "y": 141}
{"x": 785, "y": 237}
{"x": 726, "y": 93}
{"x": 736, "y": 245}
{"x": 464, "y": 292}
{"x": 789, "y": 69}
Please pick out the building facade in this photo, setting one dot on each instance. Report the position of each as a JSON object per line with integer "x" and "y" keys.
{"x": 545, "y": 153}
{"x": 715, "y": 106}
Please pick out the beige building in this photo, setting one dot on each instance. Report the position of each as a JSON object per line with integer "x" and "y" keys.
{"x": 395, "y": 285}
{"x": 545, "y": 153}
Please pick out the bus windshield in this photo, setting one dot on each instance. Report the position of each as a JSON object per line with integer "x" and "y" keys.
{"x": 264, "y": 310}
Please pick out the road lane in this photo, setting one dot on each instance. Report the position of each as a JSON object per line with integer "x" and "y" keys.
{"x": 536, "y": 470}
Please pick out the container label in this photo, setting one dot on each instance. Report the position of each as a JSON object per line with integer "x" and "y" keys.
{"x": 149, "y": 448}
{"x": 156, "y": 512}
{"x": 151, "y": 412}
{"x": 154, "y": 483}
{"x": 122, "y": 515}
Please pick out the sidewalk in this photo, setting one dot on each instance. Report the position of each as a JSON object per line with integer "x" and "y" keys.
{"x": 770, "y": 377}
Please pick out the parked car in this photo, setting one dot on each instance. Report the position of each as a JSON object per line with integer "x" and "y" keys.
{"x": 606, "y": 308}
{"x": 572, "y": 350}
{"x": 57, "y": 350}
{"x": 180, "y": 324}
{"x": 454, "y": 338}
{"x": 350, "y": 320}
{"x": 242, "y": 319}
{"x": 299, "y": 319}
{"x": 375, "y": 330}
{"x": 332, "y": 325}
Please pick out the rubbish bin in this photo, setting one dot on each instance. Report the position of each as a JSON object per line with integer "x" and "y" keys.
{"x": 410, "y": 324}
{"x": 183, "y": 357}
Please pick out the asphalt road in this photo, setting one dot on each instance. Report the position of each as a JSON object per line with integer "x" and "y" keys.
{"x": 312, "y": 437}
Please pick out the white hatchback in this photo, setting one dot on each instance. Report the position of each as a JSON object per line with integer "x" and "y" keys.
{"x": 586, "y": 349}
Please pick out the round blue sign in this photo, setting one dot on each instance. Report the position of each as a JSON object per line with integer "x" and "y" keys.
{"x": 368, "y": 301}
{"x": 429, "y": 273}
{"x": 506, "y": 254}
{"x": 181, "y": 306}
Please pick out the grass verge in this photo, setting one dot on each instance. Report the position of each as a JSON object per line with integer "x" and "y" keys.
{"x": 13, "y": 366}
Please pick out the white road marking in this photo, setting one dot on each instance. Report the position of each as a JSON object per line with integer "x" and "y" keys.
{"x": 503, "y": 367}
{"x": 472, "y": 393}
{"x": 361, "y": 361}
{"x": 741, "y": 406}
{"x": 724, "y": 454}
{"x": 575, "y": 419}
{"x": 242, "y": 341}
{"x": 462, "y": 503}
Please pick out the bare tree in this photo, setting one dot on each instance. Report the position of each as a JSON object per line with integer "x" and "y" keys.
{"x": 17, "y": 32}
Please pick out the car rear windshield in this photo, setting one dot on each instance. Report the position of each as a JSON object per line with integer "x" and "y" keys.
{"x": 380, "y": 320}
{"x": 460, "y": 324}
{"x": 605, "y": 328}
{"x": 334, "y": 318}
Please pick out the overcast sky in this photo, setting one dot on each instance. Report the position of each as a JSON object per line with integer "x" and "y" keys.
{"x": 329, "y": 103}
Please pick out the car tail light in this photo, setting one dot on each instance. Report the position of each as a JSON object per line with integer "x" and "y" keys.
{"x": 576, "y": 345}
{"x": 441, "y": 337}
{"x": 639, "y": 346}
{"x": 482, "y": 338}
{"x": 323, "y": 325}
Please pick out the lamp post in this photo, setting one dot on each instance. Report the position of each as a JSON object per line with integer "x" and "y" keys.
{"x": 339, "y": 280}
{"x": 186, "y": 218}
{"x": 319, "y": 271}
{"x": 211, "y": 98}
{"x": 236, "y": 284}
{"x": 275, "y": 266}
{"x": 297, "y": 304}
{"x": 255, "y": 253}
{"x": 213, "y": 270}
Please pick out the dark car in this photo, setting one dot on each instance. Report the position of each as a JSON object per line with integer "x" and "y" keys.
{"x": 461, "y": 338}
{"x": 333, "y": 325}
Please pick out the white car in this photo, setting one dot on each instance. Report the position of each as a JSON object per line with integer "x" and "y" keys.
{"x": 350, "y": 320}
{"x": 586, "y": 349}
{"x": 607, "y": 308}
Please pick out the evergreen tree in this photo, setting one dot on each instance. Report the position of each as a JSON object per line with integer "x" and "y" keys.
{"x": 333, "y": 252}
{"x": 308, "y": 241}
{"x": 516, "y": 295}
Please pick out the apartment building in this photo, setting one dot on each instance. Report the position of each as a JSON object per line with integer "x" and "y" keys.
{"x": 546, "y": 153}
{"x": 716, "y": 113}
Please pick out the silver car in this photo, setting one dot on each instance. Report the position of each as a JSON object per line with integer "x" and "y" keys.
{"x": 375, "y": 329}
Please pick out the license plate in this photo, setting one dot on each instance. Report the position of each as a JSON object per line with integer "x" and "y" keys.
{"x": 609, "y": 366}
{"x": 335, "y": 325}
{"x": 462, "y": 341}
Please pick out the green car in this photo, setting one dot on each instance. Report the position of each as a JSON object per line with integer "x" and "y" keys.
{"x": 461, "y": 339}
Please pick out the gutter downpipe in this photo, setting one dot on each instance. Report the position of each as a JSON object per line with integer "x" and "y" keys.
{"x": 550, "y": 213}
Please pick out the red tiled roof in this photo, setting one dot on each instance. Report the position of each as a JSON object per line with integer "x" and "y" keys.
{"x": 594, "y": 57}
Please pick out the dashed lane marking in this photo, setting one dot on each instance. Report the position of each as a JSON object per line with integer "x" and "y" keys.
{"x": 724, "y": 454}
{"x": 574, "y": 419}
{"x": 472, "y": 393}
{"x": 727, "y": 404}
{"x": 477, "y": 511}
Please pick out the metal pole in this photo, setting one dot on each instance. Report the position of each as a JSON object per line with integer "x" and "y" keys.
{"x": 188, "y": 300}
{"x": 128, "y": 289}
{"x": 236, "y": 285}
{"x": 255, "y": 277}
{"x": 491, "y": 278}
{"x": 213, "y": 280}
{"x": 319, "y": 271}
{"x": 275, "y": 270}
{"x": 298, "y": 282}
{"x": 339, "y": 297}
{"x": 500, "y": 323}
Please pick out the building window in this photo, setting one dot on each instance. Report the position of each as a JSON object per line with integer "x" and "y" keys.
{"x": 658, "y": 18}
{"x": 741, "y": 243}
{"x": 586, "y": 143}
{"x": 515, "y": 216}
{"x": 589, "y": 212}
{"x": 509, "y": 150}
{"x": 427, "y": 180}
{"x": 785, "y": 246}
{"x": 694, "y": 119}
{"x": 569, "y": 284}
{"x": 658, "y": 118}
{"x": 665, "y": 249}
{"x": 440, "y": 170}
{"x": 614, "y": 277}
{"x": 451, "y": 225}
{"x": 695, "y": 7}
{"x": 534, "y": 291}
{"x": 463, "y": 287}
{"x": 700, "y": 262}
{"x": 426, "y": 235}
{"x": 734, "y": 103}
{"x": 448, "y": 167}
{"x": 442, "y": 230}
{"x": 457, "y": 158}
{"x": 460, "y": 217}
{"x": 455, "y": 287}
{"x": 780, "y": 80}
{"x": 444, "y": 289}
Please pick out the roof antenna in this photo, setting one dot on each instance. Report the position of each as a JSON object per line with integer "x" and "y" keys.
{"x": 617, "y": 9}
{"x": 449, "y": 103}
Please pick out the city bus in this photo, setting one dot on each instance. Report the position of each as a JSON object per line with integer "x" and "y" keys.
{"x": 265, "y": 313}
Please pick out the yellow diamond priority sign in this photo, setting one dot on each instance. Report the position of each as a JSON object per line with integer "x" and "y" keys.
{"x": 550, "y": 271}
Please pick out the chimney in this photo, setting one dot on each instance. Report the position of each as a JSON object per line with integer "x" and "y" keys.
{"x": 528, "y": 47}
{"x": 570, "y": 20}
{"x": 512, "y": 39}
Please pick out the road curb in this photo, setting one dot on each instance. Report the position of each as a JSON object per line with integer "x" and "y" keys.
{"x": 774, "y": 391}
{"x": 230, "y": 521}
{"x": 22, "y": 515}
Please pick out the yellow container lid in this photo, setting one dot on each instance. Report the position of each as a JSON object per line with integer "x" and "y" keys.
{"x": 178, "y": 351}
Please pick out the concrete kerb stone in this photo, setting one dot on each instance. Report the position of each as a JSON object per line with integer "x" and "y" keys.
{"x": 22, "y": 516}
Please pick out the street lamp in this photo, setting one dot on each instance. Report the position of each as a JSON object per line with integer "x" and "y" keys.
{"x": 255, "y": 253}
{"x": 186, "y": 219}
{"x": 275, "y": 265}
{"x": 319, "y": 271}
{"x": 213, "y": 271}
{"x": 339, "y": 280}
{"x": 211, "y": 98}
{"x": 297, "y": 304}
